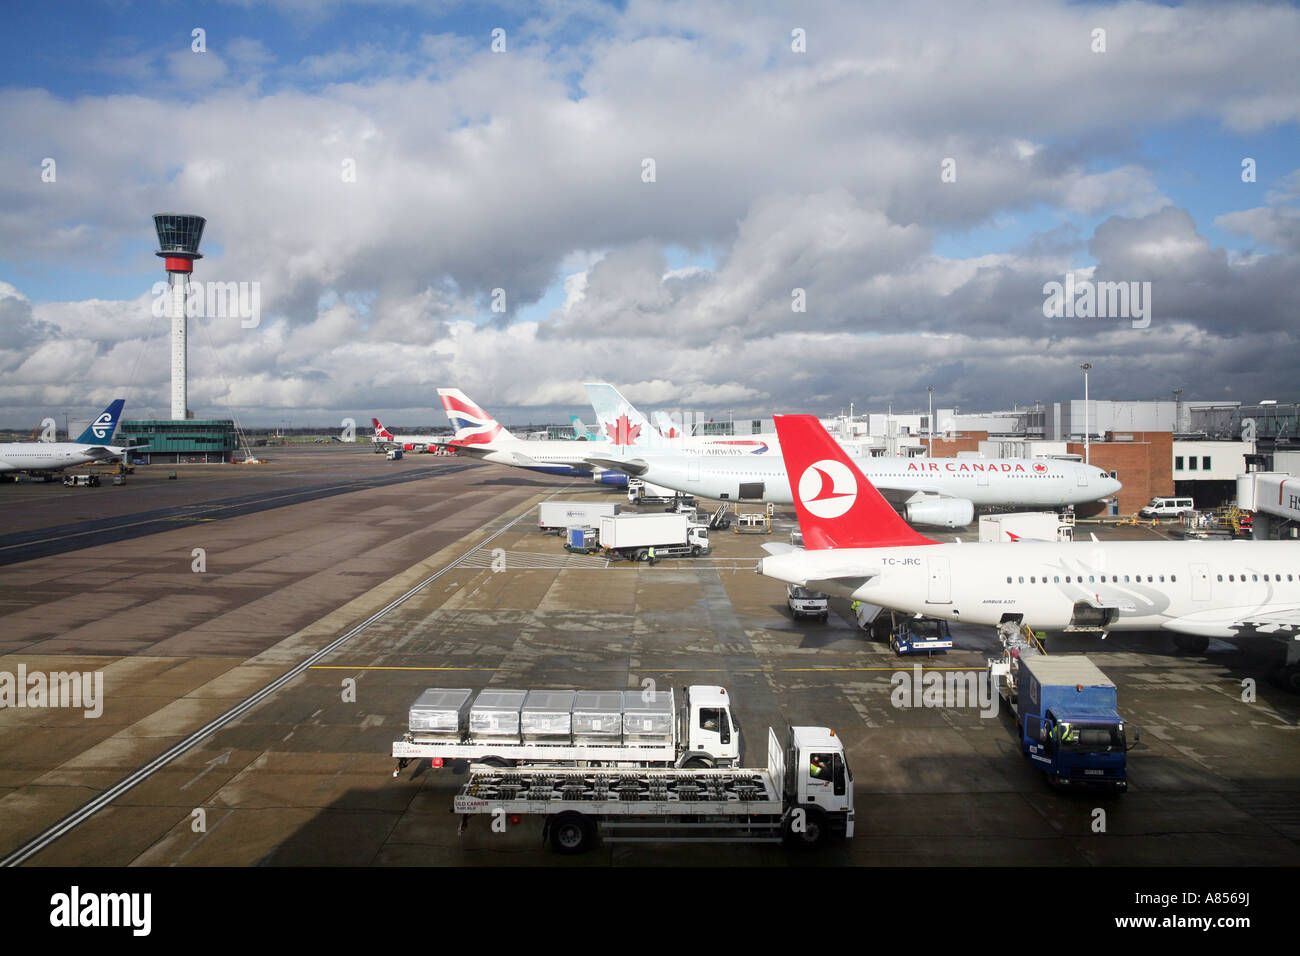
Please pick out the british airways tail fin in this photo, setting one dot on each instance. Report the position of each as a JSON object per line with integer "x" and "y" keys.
{"x": 100, "y": 431}
{"x": 836, "y": 504}
{"x": 620, "y": 424}
{"x": 471, "y": 424}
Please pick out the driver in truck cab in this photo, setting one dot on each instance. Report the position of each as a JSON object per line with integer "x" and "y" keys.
{"x": 817, "y": 769}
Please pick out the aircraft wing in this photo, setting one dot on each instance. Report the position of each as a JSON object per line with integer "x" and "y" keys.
{"x": 632, "y": 467}
{"x": 470, "y": 451}
{"x": 102, "y": 453}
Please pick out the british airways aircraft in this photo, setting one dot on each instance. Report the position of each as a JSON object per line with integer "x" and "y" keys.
{"x": 479, "y": 435}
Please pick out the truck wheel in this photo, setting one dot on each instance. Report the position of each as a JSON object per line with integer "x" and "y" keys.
{"x": 640, "y": 555}
{"x": 812, "y": 832}
{"x": 697, "y": 763}
{"x": 695, "y": 551}
{"x": 570, "y": 833}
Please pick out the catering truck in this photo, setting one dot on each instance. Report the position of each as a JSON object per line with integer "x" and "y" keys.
{"x": 633, "y": 535}
{"x": 1027, "y": 526}
{"x": 553, "y": 517}
{"x": 804, "y": 797}
{"x": 1066, "y": 717}
{"x": 583, "y": 728}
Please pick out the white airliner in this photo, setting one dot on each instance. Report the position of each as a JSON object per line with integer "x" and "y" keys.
{"x": 384, "y": 437}
{"x": 933, "y": 491}
{"x": 49, "y": 456}
{"x": 858, "y": 547}
{"x": 479, "y": 435}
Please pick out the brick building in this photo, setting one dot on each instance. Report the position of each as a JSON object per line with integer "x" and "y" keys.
{"x": 1142, "y": 461}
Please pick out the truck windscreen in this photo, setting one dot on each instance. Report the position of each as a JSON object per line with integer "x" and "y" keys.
{"x": 1093, "y": 738}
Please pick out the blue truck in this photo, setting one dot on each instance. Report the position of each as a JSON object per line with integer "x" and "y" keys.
{"x": 1067, "y": 719}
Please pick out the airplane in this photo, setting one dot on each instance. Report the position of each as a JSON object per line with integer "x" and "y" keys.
{"x": 91, "y": 445}
{"x": 384, "y": 437}
{"x": 941, "y": 492}
{"x": 856, "y": 546}
{"x": 581, "y": 431}
{"x": 479, "y": 435}
{"x": 617, "y": 417}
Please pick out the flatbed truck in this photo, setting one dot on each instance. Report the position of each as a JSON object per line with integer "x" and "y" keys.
{"x": 804, "y": 797}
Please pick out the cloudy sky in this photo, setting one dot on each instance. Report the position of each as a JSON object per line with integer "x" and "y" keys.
{"x": 716, "y": 206}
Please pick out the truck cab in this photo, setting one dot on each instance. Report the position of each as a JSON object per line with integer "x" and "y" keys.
{"x": 1083, "y": 750}
{"x": 708, "y": 729}
{"x": 698, "y": 538}
{"x": 818, "y": 786}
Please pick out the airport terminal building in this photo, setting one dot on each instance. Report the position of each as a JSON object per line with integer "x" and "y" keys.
{"x": 190, "y": 441}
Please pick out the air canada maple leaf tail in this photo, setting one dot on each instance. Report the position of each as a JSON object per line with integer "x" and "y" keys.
{"x": 836, "y": 504}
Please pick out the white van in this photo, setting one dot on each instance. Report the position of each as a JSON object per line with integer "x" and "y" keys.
{"x": 395, "y": 454}
{"x": 804, "y": 602}
{"x": 1168, "y": 508}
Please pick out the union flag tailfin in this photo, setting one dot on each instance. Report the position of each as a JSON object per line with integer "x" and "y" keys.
{"x": 472, "y": 425}
{"x": 836, "y": 504}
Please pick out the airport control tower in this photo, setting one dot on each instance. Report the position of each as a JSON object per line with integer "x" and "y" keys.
{"x": 178, "y": 241}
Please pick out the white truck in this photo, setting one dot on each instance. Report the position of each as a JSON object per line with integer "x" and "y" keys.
{"x": 554, "y": 517}
{"x": 670, "y": 535}
{"x": 804, "y": 797}
{"x": 642, "y": 492}
{"x": 638, "y": 728}
{"x": 1026, "y": 526}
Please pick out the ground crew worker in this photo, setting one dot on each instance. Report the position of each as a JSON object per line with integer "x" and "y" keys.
{"x": 817, "y": 769}
{"x": 652, "y": 556}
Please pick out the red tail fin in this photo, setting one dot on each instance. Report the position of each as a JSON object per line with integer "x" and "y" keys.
{"x": 836, "y": 504}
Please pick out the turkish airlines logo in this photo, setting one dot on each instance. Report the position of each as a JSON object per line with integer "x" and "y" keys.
{"x": 827, "y": 488}
{"x": 102, "y": 425}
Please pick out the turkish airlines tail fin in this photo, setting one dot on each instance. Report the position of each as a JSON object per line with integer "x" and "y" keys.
{"x": 836, "y": 504}
{"x": 100, "y": 431}
{"x": 472, "y": 425}
{"x": 621, "y": 424}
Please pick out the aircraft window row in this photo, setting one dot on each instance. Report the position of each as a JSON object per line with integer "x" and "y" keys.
{"x": 1097, "y": 578}
{"x": 1253, "y": 577}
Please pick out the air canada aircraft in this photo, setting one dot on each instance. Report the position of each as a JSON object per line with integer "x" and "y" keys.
{"x": 856, "y": 546}
{"x": 941, "y": 492}
{"x": 50, "y": 456}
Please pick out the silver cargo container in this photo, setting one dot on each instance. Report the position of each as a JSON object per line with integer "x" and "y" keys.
{"x": 597, "y": 716}
{"x": 440, "y": 712}
{"x": 495, "y": 714}
{"x": 547, "y": 715}
{"x": 647, "y": 721}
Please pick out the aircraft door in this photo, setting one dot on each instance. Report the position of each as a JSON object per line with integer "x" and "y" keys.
{"x": 693, "y": 471}
{"x": 1200, "y": 582}
{"x": 940, "y": 583}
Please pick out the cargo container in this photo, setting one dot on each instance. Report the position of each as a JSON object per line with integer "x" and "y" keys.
{"x": 553, "y": 517}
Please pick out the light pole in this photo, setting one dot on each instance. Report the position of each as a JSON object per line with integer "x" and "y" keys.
{"x": 930, "y": 421}
{"x": 1087, "y": 460}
